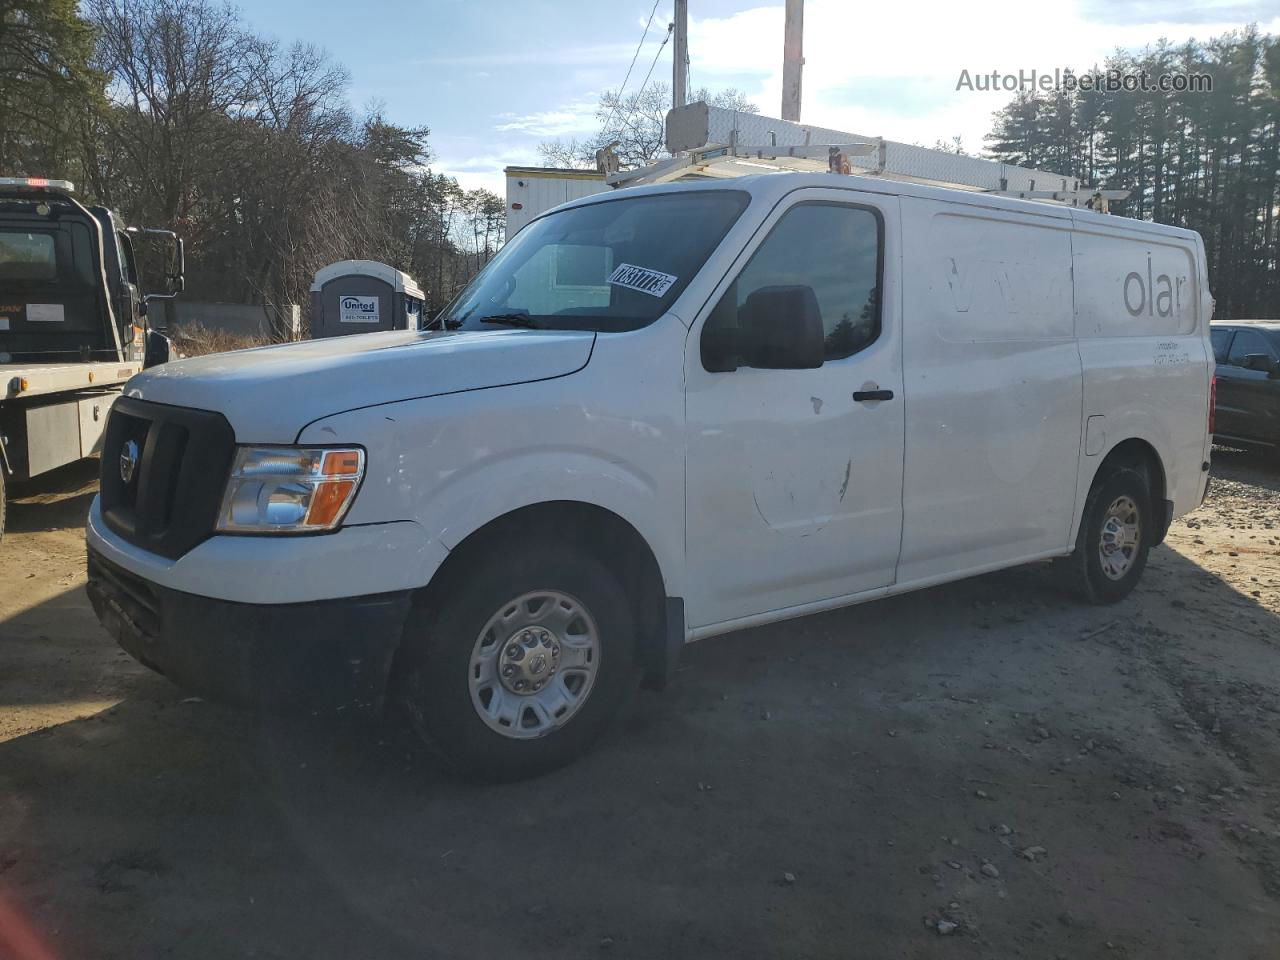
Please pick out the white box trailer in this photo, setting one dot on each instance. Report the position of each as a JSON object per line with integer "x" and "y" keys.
{"x": 535, "y": 190}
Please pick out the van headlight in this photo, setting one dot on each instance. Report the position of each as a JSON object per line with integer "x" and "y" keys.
{"x": 290, "y": 489}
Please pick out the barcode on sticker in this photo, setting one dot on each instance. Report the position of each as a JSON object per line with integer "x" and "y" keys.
{"x": 652, "y": 282}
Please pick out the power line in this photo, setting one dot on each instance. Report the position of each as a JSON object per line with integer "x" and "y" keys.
{"x": 644, "y": 36}
{"x": 653, "y": 63}
{"x": 670, "y": 27}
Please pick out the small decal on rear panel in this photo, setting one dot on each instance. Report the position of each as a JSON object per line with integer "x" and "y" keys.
{"x": 45, "y": 313}
{"x": 652, "y": 282}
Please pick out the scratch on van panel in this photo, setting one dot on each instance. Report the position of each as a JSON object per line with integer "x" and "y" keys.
{"x": 844, "y": 487}
{"x": 817, "y": 404}
{"x": 959, "y": 284}
{"x": 756, "y": 500}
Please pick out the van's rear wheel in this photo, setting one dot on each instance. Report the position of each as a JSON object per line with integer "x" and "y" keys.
{"x": 1114, "y": 538}
{"x": 522, "y": 662}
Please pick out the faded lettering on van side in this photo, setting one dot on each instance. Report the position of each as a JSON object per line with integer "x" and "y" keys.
{"x": 1152, "y": 294}
{"x": 1134, "y": 288}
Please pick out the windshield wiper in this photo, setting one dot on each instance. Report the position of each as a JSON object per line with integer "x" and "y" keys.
{"x": 510, "y": 320}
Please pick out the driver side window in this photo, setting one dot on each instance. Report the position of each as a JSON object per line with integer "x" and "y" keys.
{"x": 1245, "y": 343}
{"x": 833, "y": 249}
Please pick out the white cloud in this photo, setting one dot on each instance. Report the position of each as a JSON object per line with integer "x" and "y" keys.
{"x": 598, "y": 53}
{"x": 485, "y": 169}
{"x": 575, "y": 118}
{"x": 493, "y": 180}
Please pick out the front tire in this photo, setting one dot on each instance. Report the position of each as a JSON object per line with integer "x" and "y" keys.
{"x": 1114, "y": 539}
{"x": 519, "y": 662}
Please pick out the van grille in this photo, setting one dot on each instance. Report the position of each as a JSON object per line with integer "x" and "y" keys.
{"x": 169, "y": 502}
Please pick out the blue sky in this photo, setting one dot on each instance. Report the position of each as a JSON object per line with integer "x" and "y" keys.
{"x": 492, "y": 79}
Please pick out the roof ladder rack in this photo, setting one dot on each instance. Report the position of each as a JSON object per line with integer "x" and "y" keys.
{"x": 713, "y": 142}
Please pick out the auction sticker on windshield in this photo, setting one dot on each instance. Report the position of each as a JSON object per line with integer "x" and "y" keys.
{"x": 632, "y": 277}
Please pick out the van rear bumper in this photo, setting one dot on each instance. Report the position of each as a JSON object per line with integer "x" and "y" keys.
{"x": 322, "y": 656}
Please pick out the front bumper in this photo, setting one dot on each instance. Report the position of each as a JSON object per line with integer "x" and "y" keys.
{"x": 323, "y": 655}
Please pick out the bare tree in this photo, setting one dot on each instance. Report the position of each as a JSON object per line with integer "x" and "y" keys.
{"x": 636, "y": 122}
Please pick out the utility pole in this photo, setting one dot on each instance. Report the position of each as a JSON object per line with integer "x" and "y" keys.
{"x": 792, "y": 59}
{"x": 680, "y": 58}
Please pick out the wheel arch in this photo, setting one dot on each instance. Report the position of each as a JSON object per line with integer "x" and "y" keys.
{"x": 610, "y": 539}
{"x": 1136, "y": 453}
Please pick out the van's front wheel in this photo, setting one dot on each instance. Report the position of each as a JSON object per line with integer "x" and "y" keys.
{"x": 1114, "y": 538}
{"x": 521, "y": 664}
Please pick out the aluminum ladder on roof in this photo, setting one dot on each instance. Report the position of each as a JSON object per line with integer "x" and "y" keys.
{"x": 712, "y": 142}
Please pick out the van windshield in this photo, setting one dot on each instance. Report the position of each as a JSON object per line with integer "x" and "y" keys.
{"x": 610, "y": 267}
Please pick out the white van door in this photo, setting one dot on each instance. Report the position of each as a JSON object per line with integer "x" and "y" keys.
{"x": 794, "y": 476}
{"x": 993, "y": 387}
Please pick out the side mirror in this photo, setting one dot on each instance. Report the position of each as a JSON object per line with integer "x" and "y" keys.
{"x": 158, "y": 349}
{"x": 1260, "y": 362}
{"x": 782, "y": 328}
{"x": 721, "y": 349}
{"x": 178, "y": 280}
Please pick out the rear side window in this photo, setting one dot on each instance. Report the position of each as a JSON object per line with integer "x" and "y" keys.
{"x": 27, "y": 256}
{"x": 1245, "y": 343}
{"x": 832, "y": 248}
{"x": 1221, "y": 341}
{"x": 128, "y": 264}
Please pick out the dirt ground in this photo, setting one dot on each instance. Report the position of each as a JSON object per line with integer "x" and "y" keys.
{"x": 985, "y": 769}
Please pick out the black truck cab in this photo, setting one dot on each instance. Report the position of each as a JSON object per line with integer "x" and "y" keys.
{"x": 73, "y": 323}
{"x": 69, "y": 284}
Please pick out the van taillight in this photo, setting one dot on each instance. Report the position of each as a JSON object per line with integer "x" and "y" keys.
{"x": 1213, "y": 402}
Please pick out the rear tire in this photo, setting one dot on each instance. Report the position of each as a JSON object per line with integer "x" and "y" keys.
{"x": 1115, "y": 537}
{"x": 519, "y": 662}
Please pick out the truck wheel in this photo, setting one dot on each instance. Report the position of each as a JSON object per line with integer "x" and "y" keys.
{"x": 522, "y": 663}
{"x": 1114, "y": 538}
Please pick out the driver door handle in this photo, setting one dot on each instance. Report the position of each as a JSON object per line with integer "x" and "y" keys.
{"x": 862, "y": 396}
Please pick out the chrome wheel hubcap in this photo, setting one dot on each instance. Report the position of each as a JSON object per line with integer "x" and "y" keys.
{"x": 534, "y": 663}
{"x": 1121, "y": 537}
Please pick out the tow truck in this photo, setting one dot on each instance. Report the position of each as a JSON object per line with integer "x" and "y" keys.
{"x": 73, "y": 323}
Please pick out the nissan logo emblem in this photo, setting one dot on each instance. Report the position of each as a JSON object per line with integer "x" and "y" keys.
{"x": 128, "y": 461}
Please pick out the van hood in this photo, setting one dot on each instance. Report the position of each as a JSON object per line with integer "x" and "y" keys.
{"x": 269, "y": 394}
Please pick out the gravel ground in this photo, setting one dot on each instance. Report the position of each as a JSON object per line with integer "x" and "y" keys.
{"x": 985, "y": 769}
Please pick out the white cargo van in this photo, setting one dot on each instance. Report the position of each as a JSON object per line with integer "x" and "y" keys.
{"x": 658, "y": 415}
